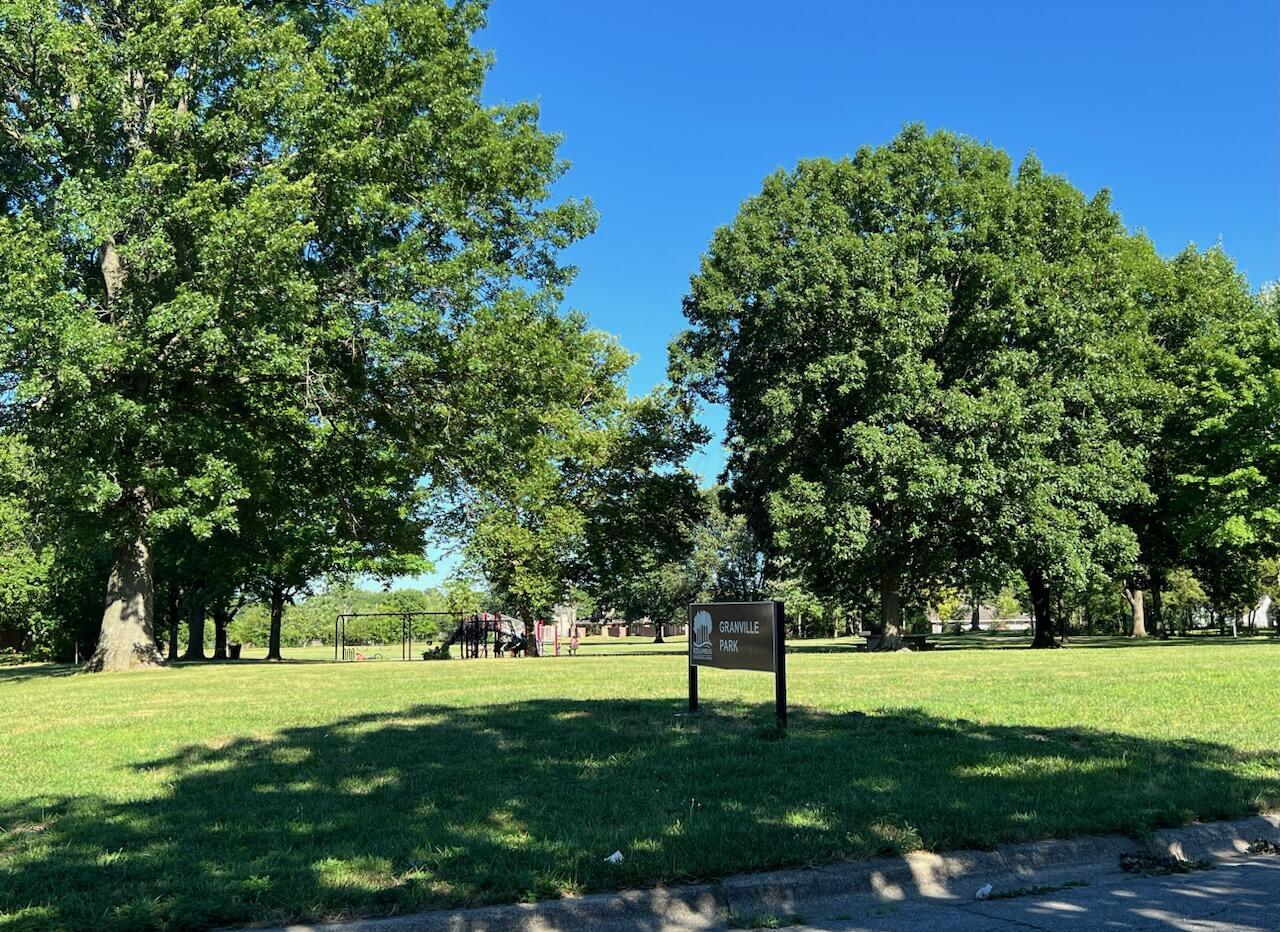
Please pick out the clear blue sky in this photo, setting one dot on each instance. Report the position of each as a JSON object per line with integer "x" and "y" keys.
{"x": 673, "y": 112}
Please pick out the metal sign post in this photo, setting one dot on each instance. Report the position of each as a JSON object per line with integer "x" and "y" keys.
{"x": 739, "y": 636}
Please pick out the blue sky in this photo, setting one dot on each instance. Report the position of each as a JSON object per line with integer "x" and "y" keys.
{"x": 673, "y": 112}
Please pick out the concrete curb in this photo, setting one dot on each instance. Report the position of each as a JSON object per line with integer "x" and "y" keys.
{"x": 699, "y": 906}
{"x": 952, "y": 876}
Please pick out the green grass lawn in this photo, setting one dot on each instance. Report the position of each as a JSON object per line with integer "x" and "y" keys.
{"x": 233, "y": 793}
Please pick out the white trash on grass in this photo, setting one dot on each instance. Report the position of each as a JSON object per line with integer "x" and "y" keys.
{"x": 615, "y": 858}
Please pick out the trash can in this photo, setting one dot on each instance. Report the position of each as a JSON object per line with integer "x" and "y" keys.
{"x": 234, "y": 650}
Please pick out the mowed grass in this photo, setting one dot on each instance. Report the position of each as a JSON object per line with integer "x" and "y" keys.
{"x": 226, "y": 794}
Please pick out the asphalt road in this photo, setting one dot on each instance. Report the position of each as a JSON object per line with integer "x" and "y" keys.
{"x": 1237, "y": 895}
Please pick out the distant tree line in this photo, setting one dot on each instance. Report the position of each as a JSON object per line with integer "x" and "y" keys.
{"x": 942, "y": 373}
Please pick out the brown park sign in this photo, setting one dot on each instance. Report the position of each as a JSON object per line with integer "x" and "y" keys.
{"x": 733, "y": 635}
{"x": 739, "y": 636}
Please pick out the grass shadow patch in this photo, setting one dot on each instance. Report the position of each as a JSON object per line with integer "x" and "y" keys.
{"x": 436, "y": 805}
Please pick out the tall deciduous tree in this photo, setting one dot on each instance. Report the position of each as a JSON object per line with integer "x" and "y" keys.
{"x": 1214, "y": 464}
{"x": 223, "y": 223}
{"x": 818, "y": 316}
{"x": 925, "y": 357}
{"x": 26, "y": 560}
{"x": 570, "y": 484}
{"x": 1049, "y": 357}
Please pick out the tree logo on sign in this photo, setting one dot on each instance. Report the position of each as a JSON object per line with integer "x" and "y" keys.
{"x": 702, "y": 636}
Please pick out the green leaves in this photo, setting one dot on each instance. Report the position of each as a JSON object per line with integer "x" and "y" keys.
{"x": 933, "y": 363}
{"x": 568, "y": 482}
{"x": 1216, "y": 458}
{"x": 267, "y": 270}
{"x": 819, "y": 314}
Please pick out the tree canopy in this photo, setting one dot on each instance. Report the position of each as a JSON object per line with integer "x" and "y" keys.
{"x": 935, "y": 366}
{"x": 270, "y": 275}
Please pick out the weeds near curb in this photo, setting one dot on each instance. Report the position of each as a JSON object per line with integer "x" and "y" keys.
{"x": 765, "y": 921}
{"x": 1037, "y": 889}
{"x": 1155, "y": 865}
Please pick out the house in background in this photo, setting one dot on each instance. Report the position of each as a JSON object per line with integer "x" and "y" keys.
{"x": 987, "y": 621}
{"x": 1261, "y": 616}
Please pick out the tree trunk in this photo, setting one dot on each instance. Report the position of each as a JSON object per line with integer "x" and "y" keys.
{"x": 890, "y": 609}
{"x": 277, "y": 617}
{"x": 221, "y": 618}
{"x": 660, "y": 630}
{"x": 173, "y": 615}
{"x": 1136, "y": 604}
{"x": 127, "y": 640}
{"x": 975, "y": 620}
{"x": 195, "y": 625}
{"x": 1041, "y": 608}
{"x": 1157, "y": 605}
{"x": 530, "y": 633}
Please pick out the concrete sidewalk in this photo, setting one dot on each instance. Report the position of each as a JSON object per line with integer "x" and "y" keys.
{"x": 1076, "y": 884}
{"x": 1240, "y": 894}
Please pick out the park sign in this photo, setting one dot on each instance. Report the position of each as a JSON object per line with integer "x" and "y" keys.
{"x": 739, "y": 636}
{"x": 734, "y": 635}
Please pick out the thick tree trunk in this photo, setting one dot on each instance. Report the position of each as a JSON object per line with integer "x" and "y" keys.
{"x": 975, "y": 620}
{"x": 1041, "y": 607}
{"x": 113, "y": 270}
{"x": 195, "y": 625}
{"x": 221, "y": 618}
{"x": 660, "y": 631}
{"x": 127, "y": 640}
{"x": 173, "y": 616}
{"x": 1138, "y": 608}
{"x": 890, "y": 609}
{"x": 277, "y": 618}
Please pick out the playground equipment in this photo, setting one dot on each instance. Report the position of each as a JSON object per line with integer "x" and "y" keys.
{"x": 483, "y": 634}
{"x": 480, "y": 633}
{"x": 487, "y": 631}
{"x": 410, "y": 632}
{"x": 548, "y": 639}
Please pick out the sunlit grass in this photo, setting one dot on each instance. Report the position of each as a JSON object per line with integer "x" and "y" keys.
{"x": 228, "y": 793}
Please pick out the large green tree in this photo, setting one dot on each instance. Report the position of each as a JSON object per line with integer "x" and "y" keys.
{"x": 585, "y": 490}
{"x": 1214, "y": 465}
{"x": 1047, "y": 364}
{"x": 818, "y": 316}
{"x": 26, "y": 560}
{"x": 927, "y": 359}
{"x": 225, "y": 223}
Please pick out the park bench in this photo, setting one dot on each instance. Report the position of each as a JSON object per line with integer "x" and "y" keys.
{"x": 909, "y": 641}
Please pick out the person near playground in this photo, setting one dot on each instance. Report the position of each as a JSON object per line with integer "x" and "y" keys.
{"x": 573, "y": 645}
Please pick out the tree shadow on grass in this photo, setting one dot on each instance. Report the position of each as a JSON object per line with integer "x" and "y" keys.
{"x": 16, "y": 672}
{"x": 1156, "y": 643}
{"x": 441, "y": 806}
{"x": 26, "y": 670}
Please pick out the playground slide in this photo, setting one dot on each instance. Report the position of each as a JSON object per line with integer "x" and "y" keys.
{"x": 455, "y": 637}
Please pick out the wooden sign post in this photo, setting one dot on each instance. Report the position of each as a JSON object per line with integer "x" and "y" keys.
{"x": 739, "y": 636}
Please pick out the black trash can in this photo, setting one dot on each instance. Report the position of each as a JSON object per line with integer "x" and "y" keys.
{"x": 234, "y": 649}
